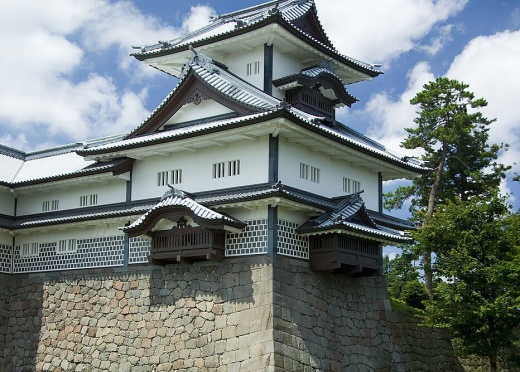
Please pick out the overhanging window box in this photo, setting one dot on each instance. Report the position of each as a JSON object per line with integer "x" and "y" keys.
{"x": 344, "y": 253}
{"x": 187, "y": 244}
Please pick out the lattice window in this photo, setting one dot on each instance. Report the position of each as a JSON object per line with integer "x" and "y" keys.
{"x": 253, "y": 68}
{"x": 30, "y": 249}
{"x": 66, "y": 246}
{"x": 83, "y": 200}
{"x": 309, "y": 173}
{"x": 226, "y": 168}
{"x": 351, "y": 186}
{"x": 176, "y": 176}
{"x": 46, "y": 206}
{"x": 219, "y": 170}
{"x": 169, "y": 177}
{"x": 86, "y": 200}
{"x": 291, "y": 243}
{"x": 233, "y": 168}
{"x": 162, "y": 178}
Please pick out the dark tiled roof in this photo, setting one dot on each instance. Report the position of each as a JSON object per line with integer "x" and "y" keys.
{"x": 261, "y": 191}
{"x": 177, "y": 198}
{"x": 83, "y": 214}
{"x": 227, "y": 25}
{"x": 350, "y": 215}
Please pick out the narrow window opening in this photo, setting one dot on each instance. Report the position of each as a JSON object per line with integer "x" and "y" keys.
{"x": 176, "y": 176}
{"x": 253, "y": 68}
{"x": 309, "y": 173}
{"x": 30, "y": 249}
{"x": 351, "y": 186}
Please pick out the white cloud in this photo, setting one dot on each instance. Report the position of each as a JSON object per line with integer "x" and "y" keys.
{"x": 52, "y": 73}
{"x": 489, "y": 64}
{"x": 18, "y": 142}
{"x": 438, "y": 42}
{"x": 379, "y": 31}
{"x": 197, "y": 18}
{"x": 388, "y": 117}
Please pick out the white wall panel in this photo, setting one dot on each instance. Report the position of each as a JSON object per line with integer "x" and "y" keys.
{"x": 6, "y": 203}
{"x": 331, "y": 174}
{"x": 197, "y": 168}
{"x": 205, "y": 109}
{"x": 107, "y": 193}
{"x": 237, "y": 64}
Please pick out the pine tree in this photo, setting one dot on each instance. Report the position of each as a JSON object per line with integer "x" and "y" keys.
{"x": 453, "y": 135}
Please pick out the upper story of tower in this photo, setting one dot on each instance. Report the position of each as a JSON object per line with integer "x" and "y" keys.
{"x": 279, "y": 47}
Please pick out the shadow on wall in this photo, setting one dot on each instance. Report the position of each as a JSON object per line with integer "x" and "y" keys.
{"x": 218, "y": 283}
{"x": 21, "y": 316}
{"x": 124, "y": 318}
{"x": 343, "y": 323}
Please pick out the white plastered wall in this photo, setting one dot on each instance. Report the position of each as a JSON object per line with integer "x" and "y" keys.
{"x": 5, "y": 238}
{"x": 6, "y": 202}
{"x": 197, "y": 168}
{"x": 237, "y": 64}
{"x": 107, "y": 193}
{"x": 90, "y": 232}
{"x": 246, "y": 214}
{"x": 298, "y": 217}
{"x": 284, "y": 65}
{"x": 332, "y": 172}
{"x": 205, "y": 109}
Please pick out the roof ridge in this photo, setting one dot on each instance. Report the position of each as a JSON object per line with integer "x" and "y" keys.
{"x": 12, "y": 152}
{"x": 254, "y": 8}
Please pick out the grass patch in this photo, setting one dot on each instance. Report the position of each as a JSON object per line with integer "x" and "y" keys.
{"x": 401, "y": 307}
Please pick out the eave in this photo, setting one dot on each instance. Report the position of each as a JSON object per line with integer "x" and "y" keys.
{"x": 327, "y": 81}
{"x": 281, "y": 122}
{"x": 119, "y": 213}
{"x": 260, "y": 33}
{"x": 360, "y": 232}
{"x": 83, "y": 177}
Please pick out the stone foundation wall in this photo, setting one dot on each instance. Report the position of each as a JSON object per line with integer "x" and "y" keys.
{"x": 333, "y": 322}
{"x": 246, "y": 314}
{"x": 4, "y": 313}
{"x": 177, "y": 318}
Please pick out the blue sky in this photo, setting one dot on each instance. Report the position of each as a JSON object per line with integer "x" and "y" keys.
{"x": 67, "y": 75}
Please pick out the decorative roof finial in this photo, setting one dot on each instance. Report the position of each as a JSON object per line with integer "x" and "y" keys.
{"x": 284, "y": 105}
{"x": 172, "y": 191}
{"x": 275, "y": 9}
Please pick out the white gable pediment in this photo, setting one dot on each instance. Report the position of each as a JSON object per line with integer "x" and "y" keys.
{"x": 197, "y": 110}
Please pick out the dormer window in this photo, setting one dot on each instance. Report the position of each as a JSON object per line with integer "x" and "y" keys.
{"x": 308, "y": 100}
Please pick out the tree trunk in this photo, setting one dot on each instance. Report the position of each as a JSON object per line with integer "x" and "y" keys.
{"x": 427, "y": 254}
{"x": 493, "y": 355}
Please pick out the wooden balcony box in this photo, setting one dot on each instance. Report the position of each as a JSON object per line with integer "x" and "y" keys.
{"x": 335, "y": 252}
{"x": 187, "y": 244}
